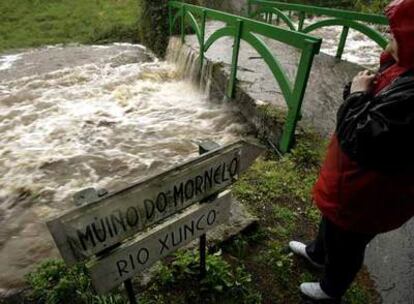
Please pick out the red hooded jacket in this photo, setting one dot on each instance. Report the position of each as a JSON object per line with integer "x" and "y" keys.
{"x": 353, "y": 190}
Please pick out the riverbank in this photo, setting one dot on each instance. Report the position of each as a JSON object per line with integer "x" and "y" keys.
{"x": 253, "y": 268}
{"x": 29, "y": 23}
{"x": 89, "y": 116}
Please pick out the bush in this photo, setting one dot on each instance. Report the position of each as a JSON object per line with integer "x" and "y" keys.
{"x": 55, "y": 283}
{"x": 374, "y": 6}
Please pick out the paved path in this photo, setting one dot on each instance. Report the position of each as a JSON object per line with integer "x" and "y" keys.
{"x": 390, "y": 260}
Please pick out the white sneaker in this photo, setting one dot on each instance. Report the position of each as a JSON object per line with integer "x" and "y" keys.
{"x": 314, "y": 291}
{"x": 300, "y": 249}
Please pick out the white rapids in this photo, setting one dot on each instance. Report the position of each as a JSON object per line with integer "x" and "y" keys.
{"x": 89, "y": 116}
{"x": 359, "y": 48}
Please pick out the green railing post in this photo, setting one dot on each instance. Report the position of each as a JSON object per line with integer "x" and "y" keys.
{"x": 182, "y": 24}
{"x": 339, "y": 17}
{"x": 235, "y": 59}
{"x": 294, "y": 112}
{"x": 250, "y": 31}
{"x": 302, "y": 16}
{"x": 342, "y": 42}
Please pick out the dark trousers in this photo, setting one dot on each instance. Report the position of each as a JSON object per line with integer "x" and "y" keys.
{"x": 342, "y": 252}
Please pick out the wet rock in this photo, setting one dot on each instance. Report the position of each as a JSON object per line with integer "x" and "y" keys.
{"x": 240, "y": 219}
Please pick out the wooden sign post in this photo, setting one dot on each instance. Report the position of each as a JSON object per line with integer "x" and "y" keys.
{"x": 134, "y": 256}
{"x": 109, "y": 231}
{"x": 203, "y": 148}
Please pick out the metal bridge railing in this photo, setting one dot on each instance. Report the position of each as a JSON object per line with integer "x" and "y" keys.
{"x": 338, "y": 17}
{"x": 246, "y": 29}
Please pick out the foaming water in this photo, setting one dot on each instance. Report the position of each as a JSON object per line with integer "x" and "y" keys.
{"x": 6, "y": 61}
{"x": 188, "y": 65}
{"x": 102, "y": 124}
{"x": 359, "y": 48}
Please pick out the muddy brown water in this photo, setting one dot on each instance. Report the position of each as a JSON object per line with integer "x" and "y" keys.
{"x": 104, "y": 116}
{"x": 89, "y": 116}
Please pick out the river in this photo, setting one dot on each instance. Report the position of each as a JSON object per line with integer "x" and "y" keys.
{"x": 89, "y": 116}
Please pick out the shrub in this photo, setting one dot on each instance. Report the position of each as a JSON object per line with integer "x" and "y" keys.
{"x": 179, "y": 282}
{"x": 55, "y": 283}
{"x": 374, "y": 6}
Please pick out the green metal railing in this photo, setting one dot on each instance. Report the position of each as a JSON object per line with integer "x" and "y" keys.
{"x": 345, "y": 18}
{"x": 245, "y": 29}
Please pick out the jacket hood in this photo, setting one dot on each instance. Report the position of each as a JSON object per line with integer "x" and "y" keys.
{"x": 401, "y": 16}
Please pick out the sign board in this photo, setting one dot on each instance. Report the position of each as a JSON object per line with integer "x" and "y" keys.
{"x": 134, "y": 256}
{"x": 103, "y": 224}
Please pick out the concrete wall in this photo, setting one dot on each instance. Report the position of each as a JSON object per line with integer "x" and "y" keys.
{"x": 234, "y": 6}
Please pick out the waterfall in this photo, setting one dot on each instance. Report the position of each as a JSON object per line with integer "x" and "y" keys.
{"x": 187, "y": 61}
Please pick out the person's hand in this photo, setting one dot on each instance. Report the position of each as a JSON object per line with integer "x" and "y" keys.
{"x": 362, "y": 82}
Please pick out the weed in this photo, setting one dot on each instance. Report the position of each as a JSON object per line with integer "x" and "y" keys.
{"x": 357, "y": 294}
{"x": 305, "y": 157}
{"x": 313, "y": 215}
{"x": 281, "y": 263}
{"x": 55, "y": 283}
{"x": 278, "y": 191}
{"x": 238, "y": 247}
{"x": 373, "y": 6}
{"x": 178, "y": 282}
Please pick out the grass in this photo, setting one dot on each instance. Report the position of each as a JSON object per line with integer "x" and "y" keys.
{"x": 278, "y": 191}
{"x": 33, "y": 23}
{"x": 175, "y": 281}
{"x": 255, "y": 267}
{"x": 178, "y": 282}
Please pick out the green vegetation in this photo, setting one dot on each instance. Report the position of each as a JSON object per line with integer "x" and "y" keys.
{"x": 375, "y": 6}
{"x": 255, "y": 267}
{"x": 278, "y": 191}
{"x": 32, "y": 23}
{"x": 153, "y": 27}
{"x": 55, "y": 283}
{"x": 174, "y": 282}
{"x": 178, "y": 282}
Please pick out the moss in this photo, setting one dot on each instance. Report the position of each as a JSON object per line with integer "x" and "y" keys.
{"x": 270, "y": 112}
{"x": 153, "y": 25}
{"x": 375, "y": 6}
{"x": 118, "y": 32}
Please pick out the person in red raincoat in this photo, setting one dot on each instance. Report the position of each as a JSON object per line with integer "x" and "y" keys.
{"x": 366, "y": 184}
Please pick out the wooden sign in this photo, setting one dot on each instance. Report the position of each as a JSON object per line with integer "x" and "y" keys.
{"x": 103, "y": 224}
{"x": 133, "y": 257}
